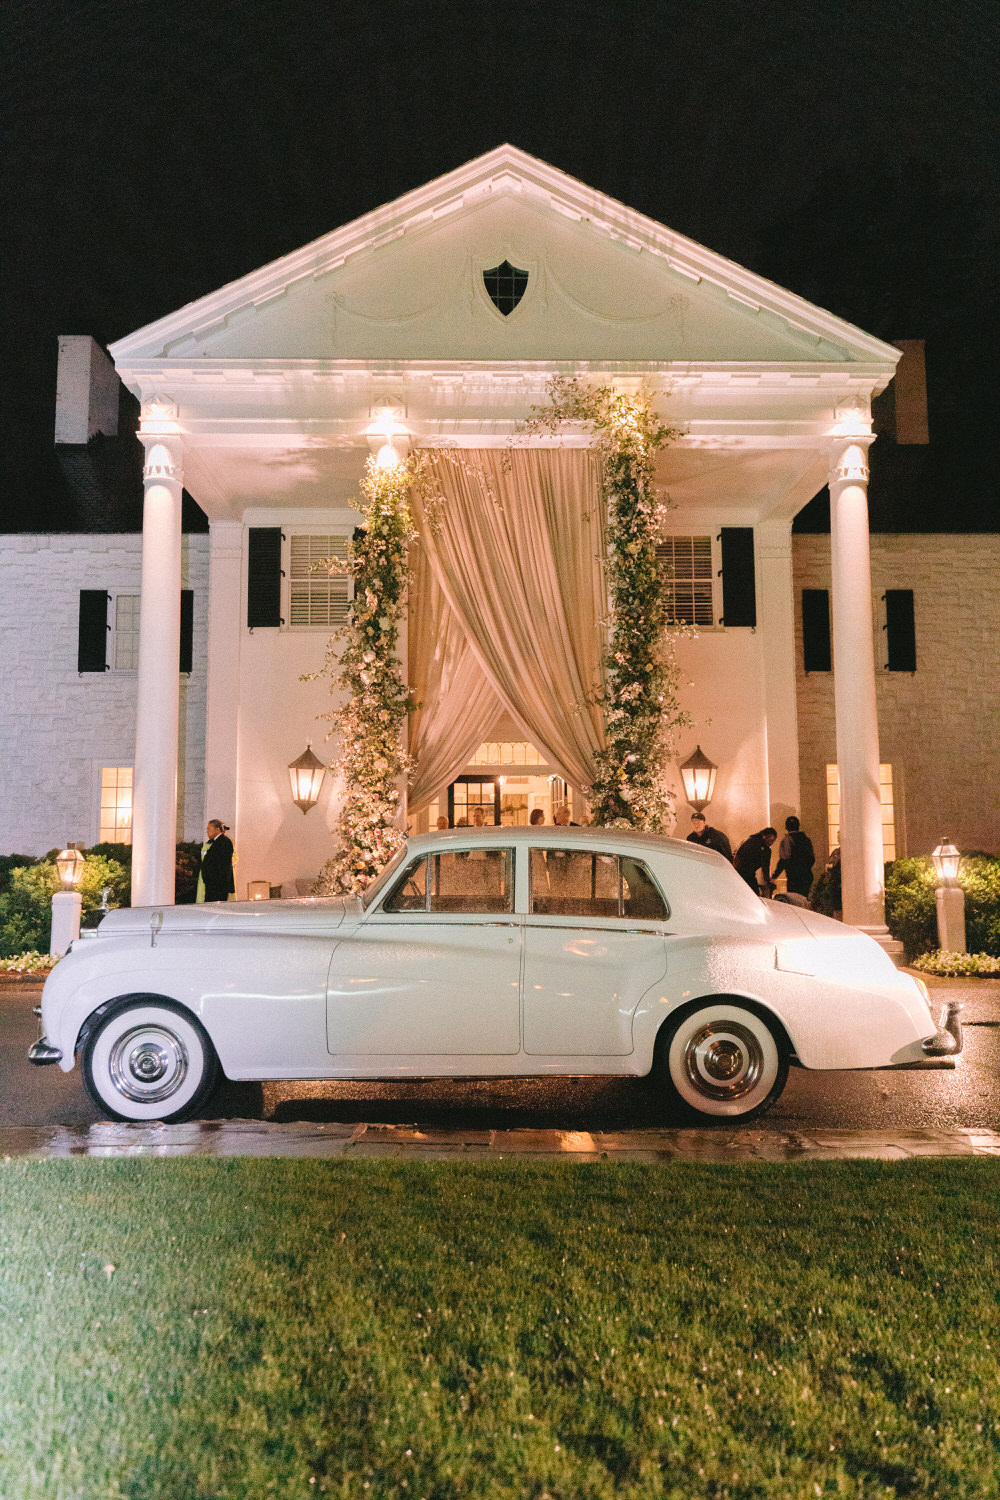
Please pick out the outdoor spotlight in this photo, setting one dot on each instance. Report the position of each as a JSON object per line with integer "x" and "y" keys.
{"x": 946, "y": 861}
{"x": 306, "y": 775}
{"x": 69, "y": 863}
{"x": 698, "y": 774}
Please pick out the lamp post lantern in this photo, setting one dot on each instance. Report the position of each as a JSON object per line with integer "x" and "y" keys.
{"x": 67, "y": 904}
{"x": 698, "y": 774}
{"x": 949, "y": 899}
{"x": 306, "y": 775}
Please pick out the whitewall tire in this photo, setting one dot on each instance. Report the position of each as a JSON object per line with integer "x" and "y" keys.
{"x": 149, "y": 1060}
{"x": 723, "y": 1060}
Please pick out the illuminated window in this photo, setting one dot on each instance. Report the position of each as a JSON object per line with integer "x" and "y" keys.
{"x": 688, "y": 577}
{"x": 115, "y": 823}
{"x": 507, "y": 753}
{"x": 506, "y": 285}
{"x": 888, "y": 809}
{"x": 126, "y": 632}
{"x": 317, "y": 596}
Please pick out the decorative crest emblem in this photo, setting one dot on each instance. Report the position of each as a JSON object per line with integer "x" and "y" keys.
{"x": 505, "y": 285}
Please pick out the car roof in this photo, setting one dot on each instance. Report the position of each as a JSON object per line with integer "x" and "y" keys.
{"x": 552, "y": 837}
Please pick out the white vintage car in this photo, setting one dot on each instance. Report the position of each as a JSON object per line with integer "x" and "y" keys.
{"x": 487, "y": 952}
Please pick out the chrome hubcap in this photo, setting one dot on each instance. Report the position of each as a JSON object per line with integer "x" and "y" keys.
{"x": 148, "y": 1063}
{"x": 724, "y": 1060}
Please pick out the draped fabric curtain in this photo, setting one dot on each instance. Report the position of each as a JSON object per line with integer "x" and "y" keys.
{"x": 515, "y": 544}
{"x": 458, "y": 704}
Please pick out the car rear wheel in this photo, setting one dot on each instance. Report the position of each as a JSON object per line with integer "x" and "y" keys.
{"x": 149, "y": 1060}
{"x": 723, "y": 1060}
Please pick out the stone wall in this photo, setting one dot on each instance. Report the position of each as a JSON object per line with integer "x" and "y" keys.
{"x": 939, "y": 727}
{"x": 58, "y": 727}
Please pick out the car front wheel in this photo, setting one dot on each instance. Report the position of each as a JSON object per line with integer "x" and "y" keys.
{"x": 149, "y": 1060}
{"x": 723, "y": 1060}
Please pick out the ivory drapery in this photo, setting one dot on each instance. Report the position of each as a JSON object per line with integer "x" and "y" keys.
{"x": 458, "y": 704}
{"x": 515, "y": 545}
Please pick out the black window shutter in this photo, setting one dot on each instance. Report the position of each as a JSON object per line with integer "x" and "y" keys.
{"x": 900, "y": 631}
{"x": 739, "y": 589}
{"x": 92, "y": 637}
{"x": 816, "y": 630}
{"x": 264, "y": 576}
{"x": 187, "y": 629}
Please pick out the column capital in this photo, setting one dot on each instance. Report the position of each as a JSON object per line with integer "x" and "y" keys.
{"x": 849, "y": 458}
{"x": 164, "y": 457}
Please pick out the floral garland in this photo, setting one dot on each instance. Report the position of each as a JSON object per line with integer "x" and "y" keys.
{"x": 362, "y": 662}
{"x": 639, "y": 699}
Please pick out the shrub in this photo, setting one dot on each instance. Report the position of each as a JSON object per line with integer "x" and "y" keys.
{"x": 958, "y": 965}
{"x": 26, "y": 905}
{"x": 11, "y": 862}
{"x": 911, "y": 910}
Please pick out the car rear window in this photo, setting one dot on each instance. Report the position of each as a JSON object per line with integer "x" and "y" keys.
{"x": 586, "y": 883}
{"x": 464, "y": 882}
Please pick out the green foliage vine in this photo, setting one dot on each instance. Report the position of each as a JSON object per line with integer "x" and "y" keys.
{"x": 639, "y": 698}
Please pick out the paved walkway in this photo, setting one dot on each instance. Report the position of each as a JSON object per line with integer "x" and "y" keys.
{"x": 409, "y": 1143}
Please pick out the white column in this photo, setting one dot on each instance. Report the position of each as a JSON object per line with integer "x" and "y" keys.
{"x": 776, "y": 613}
{"x": 154, "y": 796}
{"x": 861, "y": 860}
{"x": 225, "y": 624}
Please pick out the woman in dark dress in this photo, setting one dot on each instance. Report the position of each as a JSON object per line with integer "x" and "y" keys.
{"x": 215, "y": 869}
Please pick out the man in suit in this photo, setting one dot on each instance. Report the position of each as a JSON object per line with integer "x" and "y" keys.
{"x": 215, "y": 868}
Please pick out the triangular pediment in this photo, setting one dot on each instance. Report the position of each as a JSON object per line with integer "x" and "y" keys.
{"x": 406, "y": 282}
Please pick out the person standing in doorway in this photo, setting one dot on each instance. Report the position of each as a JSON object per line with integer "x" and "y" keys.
{"x": 753, "y": 861}
{"x": 796, "y": 857}
{"x": 537, "y": 818}
{"x": 709, "y": 838}
{"x": 215, "y": 868}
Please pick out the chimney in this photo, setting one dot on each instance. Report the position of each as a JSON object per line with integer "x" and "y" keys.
{"x": 910, "y": 387}
{"x": 87, "y": 389}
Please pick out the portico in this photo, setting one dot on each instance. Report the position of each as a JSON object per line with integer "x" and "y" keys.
{"x": 264, "y": 400}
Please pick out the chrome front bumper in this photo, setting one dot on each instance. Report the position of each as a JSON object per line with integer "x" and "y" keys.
{"x": 42, "y": 1053}
{"x": 947, "y": 1041}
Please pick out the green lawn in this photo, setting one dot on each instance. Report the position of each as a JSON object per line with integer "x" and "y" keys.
{"x": 179, "y": 1330}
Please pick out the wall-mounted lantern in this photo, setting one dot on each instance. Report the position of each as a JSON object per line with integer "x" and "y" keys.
{"x": 949, "y": 899}
{"x": 306, "y": 775}
{"x": 698, "y": 774}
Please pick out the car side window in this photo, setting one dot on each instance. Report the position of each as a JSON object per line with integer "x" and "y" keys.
{"x": 472, "y": 881}
{"x": 410, "y": 891}
{"x": 476, "y": 882}
{"x": 641, "y": 896}
{"x": 585, "y": 883}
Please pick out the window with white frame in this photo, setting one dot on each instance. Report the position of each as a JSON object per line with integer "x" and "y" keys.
{"x": 318, "y": 595}
{"x": 115, "y": 818}
{"x": 126, "y": 632}
{"x": 886, "y": 798}
{"x": 688, "y": 578}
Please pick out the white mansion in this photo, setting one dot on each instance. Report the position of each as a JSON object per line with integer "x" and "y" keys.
{"x": 150, "y": 681}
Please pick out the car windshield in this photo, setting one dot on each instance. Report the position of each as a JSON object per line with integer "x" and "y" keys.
{"x": 378, "y": 884}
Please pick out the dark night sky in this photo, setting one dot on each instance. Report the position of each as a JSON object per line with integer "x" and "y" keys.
{"x": 152, "y": 152}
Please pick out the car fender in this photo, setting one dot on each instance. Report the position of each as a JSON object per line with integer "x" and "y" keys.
{"x": 830, "y": 1023}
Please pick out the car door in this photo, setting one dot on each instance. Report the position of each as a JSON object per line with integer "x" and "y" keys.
{"x": 594, "y": 943}
{"x": 435, "y": 969}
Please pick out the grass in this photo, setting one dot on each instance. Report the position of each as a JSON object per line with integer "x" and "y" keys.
{"x": 191, "y": 1330}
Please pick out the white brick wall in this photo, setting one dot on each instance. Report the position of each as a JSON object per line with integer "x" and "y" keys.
{"x": 939, "y": 727}
{"x": 58, "y": 726}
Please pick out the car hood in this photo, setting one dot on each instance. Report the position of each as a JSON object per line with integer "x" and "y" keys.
{"x": 314, "y": 915}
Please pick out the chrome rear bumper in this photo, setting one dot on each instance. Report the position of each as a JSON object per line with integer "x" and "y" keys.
{"x": 42, "y": 1053}
{"x": 947, "y": 1041}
